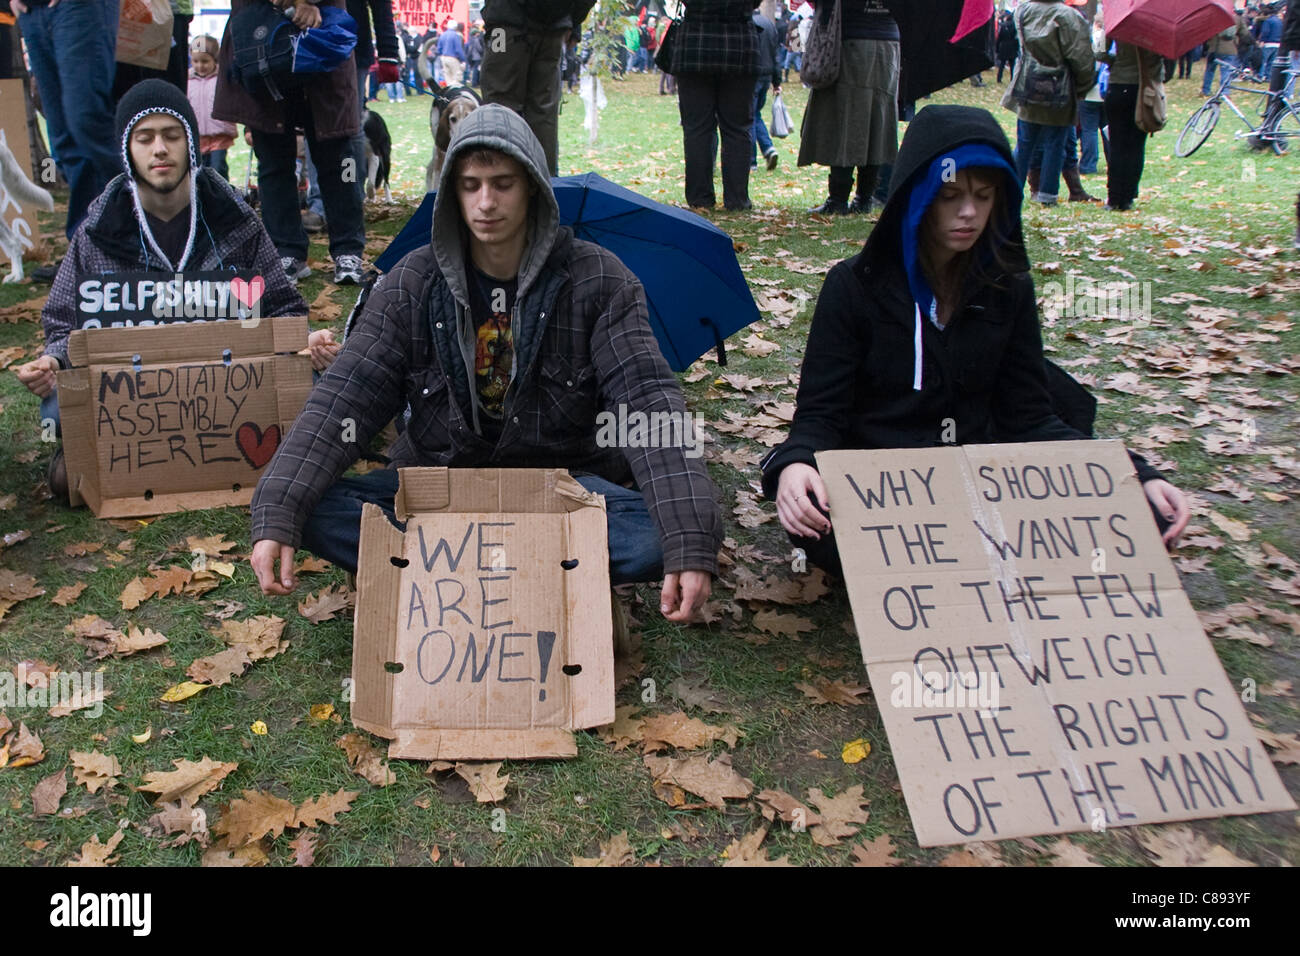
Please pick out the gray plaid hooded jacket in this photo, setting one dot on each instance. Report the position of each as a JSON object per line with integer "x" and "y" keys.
{"x": 582, "y": 342}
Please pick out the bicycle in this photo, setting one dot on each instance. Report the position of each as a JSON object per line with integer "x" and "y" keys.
{"x": 1280, "y": 123}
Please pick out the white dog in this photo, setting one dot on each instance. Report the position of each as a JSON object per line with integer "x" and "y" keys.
{"x": 17, "y": 190}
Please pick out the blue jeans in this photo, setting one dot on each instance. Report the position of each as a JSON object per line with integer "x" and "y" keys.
{"x": 71, "y": 48}
{"x": 1069, "y": 152}
{"x": 1228, "y": 63}
{"x": 758, "y": 138}
{"x": 216, "y": 160}
{"x": 1090, "y": 120}
{"x": 334, "y": 529}
{"x": 50, "y": 410}
{"x": 1030, "y": 136}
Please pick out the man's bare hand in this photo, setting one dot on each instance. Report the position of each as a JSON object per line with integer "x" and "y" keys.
{"x": 265, "y": 553}
{"x": 323, "y": 348}
{"x": 683, "y": 594}
{"x": 39, "y": 374}
{"x": 305, "y": 15}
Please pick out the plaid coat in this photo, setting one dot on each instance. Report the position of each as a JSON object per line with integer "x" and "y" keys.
{"x": 583, "y": 345}
{"x": 716, "y": 36}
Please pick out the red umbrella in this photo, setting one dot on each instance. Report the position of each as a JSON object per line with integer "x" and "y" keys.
{"x": 1167, "y": 27}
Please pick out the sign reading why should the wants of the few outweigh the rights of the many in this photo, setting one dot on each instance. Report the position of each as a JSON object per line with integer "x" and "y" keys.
{"x": 1037, "y": 664}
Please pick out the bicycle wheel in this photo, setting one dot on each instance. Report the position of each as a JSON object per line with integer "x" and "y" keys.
{"x": 1198, "y": 129}
{"x": 1284, "y": 129}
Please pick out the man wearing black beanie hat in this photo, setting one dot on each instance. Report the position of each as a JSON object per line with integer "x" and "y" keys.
{"x": 164, "y": 213}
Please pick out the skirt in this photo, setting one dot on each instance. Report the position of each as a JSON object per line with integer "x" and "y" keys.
{"x": 855, "y": 122}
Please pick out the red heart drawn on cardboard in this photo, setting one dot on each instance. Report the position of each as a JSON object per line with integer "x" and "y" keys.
{"x": 255, "y": 445}
{"x": 247, "y": 292}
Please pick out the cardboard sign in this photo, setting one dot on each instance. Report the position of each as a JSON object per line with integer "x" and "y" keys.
{"x": 21, "y": 220}
{"x": 126, "y": 299}
{"x": 172, "y": 418}
{"x": 484, "y": 630}
{"x": 419, "y": 14}
{"x": 1037, "y": 664}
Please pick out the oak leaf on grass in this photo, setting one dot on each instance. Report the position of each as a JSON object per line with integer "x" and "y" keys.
{"x": 613, "y": 852}
{"x": 748, "y": 851}
{"x": 94, "y": 770}
{"x": 95, "y": 853}
{"x": 715, "y": 781}
{"x": 190, "y": 780}
{"x": 840, "y": 815}
{"x": 485, "y": 780}
{"x": 365, "y": 760}
{"x": 47, "y": 794}
{"x": 255, "y": 815}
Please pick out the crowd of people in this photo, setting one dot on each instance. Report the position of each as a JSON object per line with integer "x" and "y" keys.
{"x": 498, "y": 344}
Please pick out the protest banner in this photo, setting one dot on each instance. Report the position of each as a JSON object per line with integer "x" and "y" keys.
{"x": 126, "y": 299}
{"x": 484, "y": 630}
{"x": 178, "y": 416}
{"x": 421, "y": 14}
{"x": 1037, "y": 664}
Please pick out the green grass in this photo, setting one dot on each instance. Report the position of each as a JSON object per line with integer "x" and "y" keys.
{"x": 1216, "y": 203}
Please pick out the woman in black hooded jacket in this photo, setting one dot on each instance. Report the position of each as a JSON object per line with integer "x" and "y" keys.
{"x": 930, "y": 335}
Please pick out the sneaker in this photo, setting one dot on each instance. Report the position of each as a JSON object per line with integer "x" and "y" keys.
{"x": 313, "y": 222}
{"x": 772, "y": 159}
{"x": 295, "y": 269}
{"x": 347, "y": 270}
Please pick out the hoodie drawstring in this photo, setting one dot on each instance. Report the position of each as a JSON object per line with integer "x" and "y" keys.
{"x": 916, "y": 349}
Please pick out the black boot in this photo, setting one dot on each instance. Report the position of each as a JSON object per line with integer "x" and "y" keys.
{"x": 831, "y": 207}
{"x": 838, "y": 183}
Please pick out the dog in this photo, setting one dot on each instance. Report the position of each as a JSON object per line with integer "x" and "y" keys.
{"x": 379, "y": 155}
{"x": 449, "y": 107}
{"x": 15, "y": 187}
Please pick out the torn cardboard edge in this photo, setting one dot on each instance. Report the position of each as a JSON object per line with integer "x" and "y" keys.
{"x": 132, "y": 351}
{"x": 1161, "y": 774}
{"x": 395, "y": 699}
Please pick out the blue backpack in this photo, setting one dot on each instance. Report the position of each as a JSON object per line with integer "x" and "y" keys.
{"x": 271, "y": 56}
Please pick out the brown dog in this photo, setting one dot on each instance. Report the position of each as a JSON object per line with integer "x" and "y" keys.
{"x": 449, "y": 108}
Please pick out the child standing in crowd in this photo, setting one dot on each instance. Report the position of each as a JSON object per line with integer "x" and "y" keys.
{"x": 215, "y": 136}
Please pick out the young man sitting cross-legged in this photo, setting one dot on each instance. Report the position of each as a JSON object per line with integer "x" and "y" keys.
{"x": 507, "y": 336}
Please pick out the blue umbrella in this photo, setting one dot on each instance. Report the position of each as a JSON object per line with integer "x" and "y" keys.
{"x": 694, "y": 287}
{"x": 322, "y": 48}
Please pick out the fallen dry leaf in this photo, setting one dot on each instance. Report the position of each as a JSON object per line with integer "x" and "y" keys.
{"x": 713, "y": 780}
{"x": 778, "y": 803}
{"x": 68, "y": 594}
{"x": 222, "y": 854}
{"x": 94, "y": 770}
{"x": 613, "y": 852}
{"x": 484, "y": 780}
{"x": 210, "y": 546}
{"x": 325, "y": 604}
{"x": 95, "y": 853}
{"x": 221, "y": 668}
{"x": 183, "y": 819}
{"x": 682, "y": 733}
{"x": 365, "y": 760}
{"x": 1066, "y": 853}
{"x": 747, "y": 851}
{"x": 182, "y": 691}
{"x": 159, "y": 584}
{"x": 304, "y": 848}
{"x": 1182, "y": 846}
{"x": 879, "y": 852}
{"x": 255, "y": 815}
{"x": 81, "y": 698}
{"x": 26, "y": 749}
{"x": 840, "y": 815}
{"x": 626, "y": 728}
{"x": 47, "y": 794}
{"x": 189, "y": 781}
{"x": 259, "y": 636}
{"x": 823, "y": 691}
{"x": 325, "y": 808}
{"x": 1236, "y": 530}
{"x": 775, "y": 622}
{"x": 697, "y": 695}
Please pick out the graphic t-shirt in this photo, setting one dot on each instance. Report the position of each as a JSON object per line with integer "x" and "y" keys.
{"x": 491, "y": 303}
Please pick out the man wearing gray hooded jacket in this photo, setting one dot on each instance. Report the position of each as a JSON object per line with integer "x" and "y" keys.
{"x": 510, "y": 340}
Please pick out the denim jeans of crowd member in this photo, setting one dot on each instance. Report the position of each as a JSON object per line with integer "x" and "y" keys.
{"x": 1090, "y": 121}
{"x": 216, "y": 160}
{"x": 413, "y": 81}
{"x": 1225, "y": 63}
{"x": 1051, "y": 139}
{"x": 758, "y": 135}
{"x": 1069, "y": 152}
{"x": 71, "y": 50}
{"x": 334, "y": 529}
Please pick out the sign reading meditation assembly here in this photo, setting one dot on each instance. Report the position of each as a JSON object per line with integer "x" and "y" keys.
{"x": 1037, "y": 664}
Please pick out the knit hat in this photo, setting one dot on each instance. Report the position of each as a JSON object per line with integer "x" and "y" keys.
{"x": 144, "y": 99}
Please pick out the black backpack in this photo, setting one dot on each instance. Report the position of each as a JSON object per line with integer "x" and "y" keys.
{"x": 261, "y": 42}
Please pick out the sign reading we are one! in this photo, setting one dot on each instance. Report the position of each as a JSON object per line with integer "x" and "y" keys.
{"x": 125, "y": 299}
